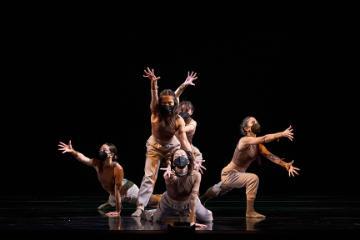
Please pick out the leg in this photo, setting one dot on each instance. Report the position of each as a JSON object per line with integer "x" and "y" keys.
{"x": 250, "y": 181}
{"x": 154, "y": 200}
{"x": 147, "y": 185}
{"x": 252, "y": 184}
{"x": 211, "y": 193}
{"x": 202, "y": 214}
{"x": 160, "y": 213}
{"x": 110, "y": 203}
{"x": 131, "y": 195}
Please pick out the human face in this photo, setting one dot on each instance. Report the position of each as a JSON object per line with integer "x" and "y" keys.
{"x": 167, "y": 100}
{"x": 181, "y": 171}
{"x": 105, "y": 149}
{"x": 252, "y": 126}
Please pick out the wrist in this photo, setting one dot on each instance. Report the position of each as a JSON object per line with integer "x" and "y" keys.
{"x": 286, "y": 165}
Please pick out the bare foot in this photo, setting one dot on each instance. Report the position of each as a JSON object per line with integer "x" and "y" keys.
{"x": 137, "y": 213}
{"x": 254, "y": 215}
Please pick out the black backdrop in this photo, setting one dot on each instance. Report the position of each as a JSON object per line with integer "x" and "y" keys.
{"x": 88, "y": 87}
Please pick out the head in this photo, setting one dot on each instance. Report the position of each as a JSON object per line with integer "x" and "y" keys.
{"x": 186, "y": 110}
{"x": 186, "y": 106}
{"x": 250, "y": 125}
{"x": 107, "y": 151}
{"x": 181, "y": 163}
{"x": 168, "y": 103}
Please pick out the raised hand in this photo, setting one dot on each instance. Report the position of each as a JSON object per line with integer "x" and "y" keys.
{"x": 65, "y": 148}
{"x": 288, "y": 133}
{"x": 150, "y": 74}
{"x": 168, "y": 172}
{"x": 190, "y": 78}
{"x": 198, "y": 166}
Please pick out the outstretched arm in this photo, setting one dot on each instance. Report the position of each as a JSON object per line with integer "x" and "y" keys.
{"x": 119, "y": 175}
{"x": 188, "y": 81}
{"x": 275, "y": 159}
{"x": 150, "y": 74}
{"x": 67, "y": 148}
{"x": 288, "y": 133}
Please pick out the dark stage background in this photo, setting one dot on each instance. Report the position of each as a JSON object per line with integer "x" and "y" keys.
{"x": 86, "y": 86}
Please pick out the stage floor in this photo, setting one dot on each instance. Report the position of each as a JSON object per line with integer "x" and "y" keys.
{"x": 293, "y": 216}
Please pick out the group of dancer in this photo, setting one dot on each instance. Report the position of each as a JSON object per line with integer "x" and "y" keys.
{"x": 170, "y": 148}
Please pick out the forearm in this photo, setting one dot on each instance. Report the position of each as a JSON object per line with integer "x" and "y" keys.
{"x": 273, "y": 136}
{"x": 192, "y": 209}
{"x": 277, "y": 160}
{"x": 187, "y": 148}
{"x": 81, "y": 157}
{"x": 185, "y": 144}
{"x": 154, "y": 95}
{"x": 180, "y": 90}
{"x": 117, "y": 199}
{"x": 169, "y": 179}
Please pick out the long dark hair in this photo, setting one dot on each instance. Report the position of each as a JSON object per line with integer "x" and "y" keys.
{"x": 186, "y": 106}
{"x": 113, "y": 149}
{"x": 191, "y": 160}
{"x": 168, "y": 119}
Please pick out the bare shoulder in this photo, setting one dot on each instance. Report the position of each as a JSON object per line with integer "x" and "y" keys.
{"x": 193, "y": 122}
{"x": 196, "y": 174}
{"x": 242, "y": 142}
{"x": 117, "y": 166}
{"x": 179, "y": 121}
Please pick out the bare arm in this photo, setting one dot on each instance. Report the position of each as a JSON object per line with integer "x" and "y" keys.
{"x": 193, "y": 196}
{"x": 67, "y": 148}
{"x": 169, "y": 175}
{"x": 288, "y": 133}
{"x": 182, "y": 136}
{"x": 275, "y": 159}
{"x": 180, "y": 90}
{"x": 188, "y": 81}
{"x": 119, "y": 175}
{"x": 149, "y": 73}
{"x": 190, "y": 127}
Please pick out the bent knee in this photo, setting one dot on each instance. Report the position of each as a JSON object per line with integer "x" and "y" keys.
{"x": 253, "y": 178}
{"x": 208, "y": 217}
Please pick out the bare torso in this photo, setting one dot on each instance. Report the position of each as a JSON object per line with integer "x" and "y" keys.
{"x": 162, "y": 132}
{"x": 244, "y": 156}
{"x": 106, "y": 176}
{"x": 180, "y": 188}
